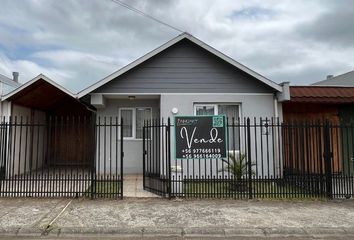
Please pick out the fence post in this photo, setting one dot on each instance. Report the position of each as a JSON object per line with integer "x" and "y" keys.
{"x": 249, "y": 158}
{"x": 3, "y": 144}
{"x": 327, "y": 159}
{"x": 144, "y": 154}
{"x": 168, "y": 164}
{"x": 121, "y": 157}
{"x": 94, "y": 143}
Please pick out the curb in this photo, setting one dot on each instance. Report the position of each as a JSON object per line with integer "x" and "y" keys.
{"x": 177, "y": 232}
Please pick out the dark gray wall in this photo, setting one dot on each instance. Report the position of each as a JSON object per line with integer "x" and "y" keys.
{"x": 185, "y": 68}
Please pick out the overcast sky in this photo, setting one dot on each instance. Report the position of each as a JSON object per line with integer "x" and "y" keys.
{"x": 78, "y": 42}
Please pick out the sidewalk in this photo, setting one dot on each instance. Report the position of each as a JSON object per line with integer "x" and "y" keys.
{"x": 161, "y": 218}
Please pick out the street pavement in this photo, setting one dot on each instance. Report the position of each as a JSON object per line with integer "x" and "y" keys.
{"x": 156, "y": 218}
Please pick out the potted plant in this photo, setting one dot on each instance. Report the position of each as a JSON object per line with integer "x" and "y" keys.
{"x": 237, "y": 166}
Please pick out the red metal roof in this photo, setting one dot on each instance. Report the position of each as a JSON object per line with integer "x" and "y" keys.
{"x": 322, "y": 94}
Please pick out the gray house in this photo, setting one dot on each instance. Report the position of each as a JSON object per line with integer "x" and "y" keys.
{"x": 184, "y": 76}
{"x": 57, "y": 143}
{"x": 55, "y": 134}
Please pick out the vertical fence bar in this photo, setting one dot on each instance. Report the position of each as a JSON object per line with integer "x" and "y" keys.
{"x": 327, "y": 158}
{"x": 144, "y": 154}
{"x": 95, "y": 145}
{"x": 168, "y": 164}
{"x": 249, "y": 158}
{"x": 121, "y": 157}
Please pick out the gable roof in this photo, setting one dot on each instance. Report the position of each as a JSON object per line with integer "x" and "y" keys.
{"x": 8, "y": 81}
{"x": 36, "y": 79}
{"x": 343, "y": 80}
{"x": 169, "y": 44}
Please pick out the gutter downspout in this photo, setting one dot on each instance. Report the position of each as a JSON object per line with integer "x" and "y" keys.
{"x": 277, "y": 164}
{"x": 276, "y": 114}
{"x": 279, "y": 97}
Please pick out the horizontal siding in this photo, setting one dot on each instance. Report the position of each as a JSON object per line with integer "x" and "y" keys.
{"x": 185, "y": 67}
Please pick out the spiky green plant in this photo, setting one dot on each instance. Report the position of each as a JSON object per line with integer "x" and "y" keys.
{"x": 237, "y": 165}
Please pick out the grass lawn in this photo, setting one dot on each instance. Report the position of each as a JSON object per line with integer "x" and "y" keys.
{"x": 105, "y": 188}
{"x": 260, "y": 189}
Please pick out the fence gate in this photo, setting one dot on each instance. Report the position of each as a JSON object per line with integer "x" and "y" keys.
{"x": 156, "y": 157}
{"x": 61, "y": 157}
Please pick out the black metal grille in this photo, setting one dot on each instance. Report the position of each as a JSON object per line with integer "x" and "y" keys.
{"x": 61, "y": 157}
{"x": 156, "y": 157}
{"x": 266, "y": 159}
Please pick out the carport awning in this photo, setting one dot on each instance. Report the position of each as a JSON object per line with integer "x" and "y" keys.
{"x": 43, "y": 94}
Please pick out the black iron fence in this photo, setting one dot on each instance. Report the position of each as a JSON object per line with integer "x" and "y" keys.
{"x": 50, "y": 156}
{"x": 266, "y": 159}
{"x": 157, "y": 157}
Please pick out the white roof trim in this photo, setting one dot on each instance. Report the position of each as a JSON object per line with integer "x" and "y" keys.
{"x": 39, "y": 77}
{"x": 169, "y": 44}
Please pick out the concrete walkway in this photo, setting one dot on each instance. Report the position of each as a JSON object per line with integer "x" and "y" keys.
{"x": 165, "y": 219}
{"x": 133, "y": 187}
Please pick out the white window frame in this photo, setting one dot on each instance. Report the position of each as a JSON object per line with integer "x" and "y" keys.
{"x": 133, "y": 137}
{"x": 216, "y": 108}
{"x": 133, "y": 120}
{"x": 216, "y": 112}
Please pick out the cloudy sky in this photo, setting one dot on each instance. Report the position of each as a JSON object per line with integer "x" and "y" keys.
{"x": 78, "y": 42}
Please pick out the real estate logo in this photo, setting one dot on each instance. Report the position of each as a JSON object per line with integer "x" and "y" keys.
{"x": 218, "y": 121}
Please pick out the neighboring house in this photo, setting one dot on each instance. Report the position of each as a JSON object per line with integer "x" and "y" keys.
{"x": 316, "y": 104}
{"x": 184, "y": 76}
{"x": 342, "y": 80}
{"x": 7, "y": 85}
{"x": 311, "y": 103}
{"x": 333, "y": 100}
{"x": 346, "y": 80}
{"x": 32, "y": 104}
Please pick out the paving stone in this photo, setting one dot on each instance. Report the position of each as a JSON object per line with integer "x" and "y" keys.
{"x": 133, "y": 188}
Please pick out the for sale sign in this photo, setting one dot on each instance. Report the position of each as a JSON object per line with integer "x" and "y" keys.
{"x": 200, "y": 137}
